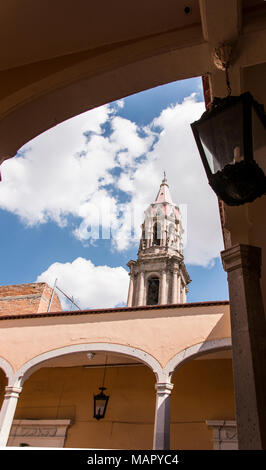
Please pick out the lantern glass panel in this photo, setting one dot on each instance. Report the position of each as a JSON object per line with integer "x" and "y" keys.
{"x": 99, "y": 406}
{"x": 221, "y": 136}
{"x": 259, "y": 141}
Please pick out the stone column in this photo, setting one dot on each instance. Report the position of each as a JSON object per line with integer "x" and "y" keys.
{"x": 174, "y": 287}
{"x": 141, "y": 289}
{"x": 184, "y": 295}
{"x": 178, "y": 289}
{"x": 130, "y": 291}
{"x": 163, "y": 288}
{"x": 181, "y": 290}
{"x": 7, "y": 413}
{"x": 161, "y": 439}
{"x": 248, "y": 324}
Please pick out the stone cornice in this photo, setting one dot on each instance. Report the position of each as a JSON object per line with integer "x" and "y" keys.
{"x": 114, "y": 310}
{"x": 245, "y": 257}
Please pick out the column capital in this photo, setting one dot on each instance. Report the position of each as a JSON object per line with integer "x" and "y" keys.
{"x": 164, "y": 388}
{"x": 246, "y": 257}
{"x": 7, "y": 412}
{"x": 12, "y": 392}
{"x": 175, "y": 270}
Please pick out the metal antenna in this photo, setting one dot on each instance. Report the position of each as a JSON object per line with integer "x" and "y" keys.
{"x": 52, "y": 296}
{"x": 71, "y": 299}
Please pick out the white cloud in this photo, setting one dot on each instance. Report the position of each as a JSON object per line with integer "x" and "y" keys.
{"x": 176, "y": 152}
{"x": 125, "y": 136}
{"x": 91, "y": 286}
{"x": 61, "y": 173}
{"x": 49, "y": 179}
{"x": 126, "y": 182}
{"x": 99, "y": 212}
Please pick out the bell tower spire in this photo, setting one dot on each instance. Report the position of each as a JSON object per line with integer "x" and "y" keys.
{"x": 164, "y": 193}
{"x": 159, "y": 275}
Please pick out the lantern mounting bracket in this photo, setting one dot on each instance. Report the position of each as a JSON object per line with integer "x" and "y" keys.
{"x": 223, "y": 56}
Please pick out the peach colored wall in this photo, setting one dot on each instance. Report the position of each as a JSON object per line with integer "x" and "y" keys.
{"x": 157, "y": 332}
{"x": 202, "y": 390}
{"x": 60, "y": 393}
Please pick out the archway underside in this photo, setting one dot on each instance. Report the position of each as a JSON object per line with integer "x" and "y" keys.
{"x": 61, "y": 391}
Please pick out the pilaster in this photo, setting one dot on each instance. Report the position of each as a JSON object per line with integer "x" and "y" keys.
{"x": 140, "y": 293}
{"x": 130, "y": 291}
{"x": 163, "y": 298}
{"x": 174, "y": 287}
{"x": 243, "y": 265}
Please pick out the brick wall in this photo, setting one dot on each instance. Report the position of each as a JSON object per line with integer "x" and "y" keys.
{"x": 27, "y": 298}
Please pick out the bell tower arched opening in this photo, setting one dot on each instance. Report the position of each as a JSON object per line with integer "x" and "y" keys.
{"x": 153, "y": 291}
{"x": 156, "y": 234}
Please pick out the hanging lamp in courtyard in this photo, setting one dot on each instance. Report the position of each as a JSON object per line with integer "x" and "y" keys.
{"x": 231, "y": 139}
{"x": 101, "y": 400}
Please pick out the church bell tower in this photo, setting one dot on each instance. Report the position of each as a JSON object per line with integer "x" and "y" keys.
{"x": 159, "y": 275}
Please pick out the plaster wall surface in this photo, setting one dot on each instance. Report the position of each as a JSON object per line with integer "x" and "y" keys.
{"x": 160, "y": 332}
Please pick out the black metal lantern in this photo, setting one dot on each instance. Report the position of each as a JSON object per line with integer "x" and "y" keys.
{"x": 101, "y": 400}
{"x": 100, "y": 404}
{"x": 231, "y": 139}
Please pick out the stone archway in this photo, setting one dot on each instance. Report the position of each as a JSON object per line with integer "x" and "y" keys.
{"x": 44, "y": 362}
{"x": 6, "y": 373}
{"x": 203, "y": 393}
{"x": 7, "y": 368}
{"x": 34, "y": 364}
{"x": 195, "y": 351}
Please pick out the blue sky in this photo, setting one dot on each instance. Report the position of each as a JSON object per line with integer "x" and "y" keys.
{"x": 108, "y": 163}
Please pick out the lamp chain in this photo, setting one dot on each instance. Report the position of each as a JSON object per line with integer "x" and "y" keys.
{"x": 228, "y": 81}
{"x": 104, "y": 369}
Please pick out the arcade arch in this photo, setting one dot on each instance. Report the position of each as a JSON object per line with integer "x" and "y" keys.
{"x": 203, "y": 395}
{"x": 132, "y": 375}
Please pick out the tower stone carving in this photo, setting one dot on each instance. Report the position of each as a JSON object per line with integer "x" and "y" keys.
{"x": 159, "y": 275}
